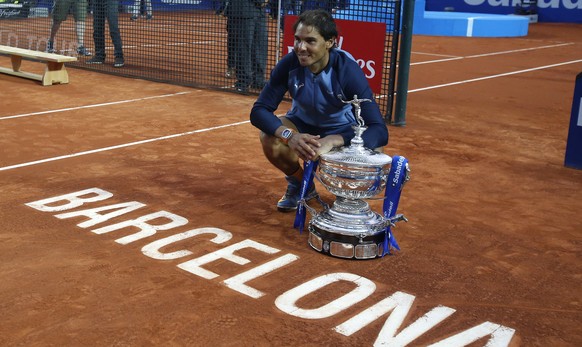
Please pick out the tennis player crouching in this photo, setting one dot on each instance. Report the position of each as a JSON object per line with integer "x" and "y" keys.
{"x": 317, "y": 76}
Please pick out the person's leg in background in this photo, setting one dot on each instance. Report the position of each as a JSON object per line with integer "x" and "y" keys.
{"x": 244, "y": 31}
{"x": 99, "y": 8}
{"x": 113, "y": 21}
{"x": 59, "y": 13}
{"x": 259, "y": 51}
{"x": 230, "y": 49}
{"x": 80, "y": 14}
{"x": 149, "y": 9}
{"x": 136, "y": 10}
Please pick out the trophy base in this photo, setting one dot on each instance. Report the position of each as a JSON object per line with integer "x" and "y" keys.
{"x": 349, "y": 230}
{"x": 345, "y": 246}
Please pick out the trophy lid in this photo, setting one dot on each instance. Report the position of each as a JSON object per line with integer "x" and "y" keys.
{"x": 358, "y": 156}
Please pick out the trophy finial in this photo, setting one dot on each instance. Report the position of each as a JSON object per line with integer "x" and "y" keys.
{"x": 357, "y": 108}
{"x": 360, "y": 127}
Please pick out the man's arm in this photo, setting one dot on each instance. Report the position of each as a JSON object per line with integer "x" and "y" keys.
{"x": 262, "y": 114}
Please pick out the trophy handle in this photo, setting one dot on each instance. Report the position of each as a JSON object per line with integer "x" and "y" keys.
{"x": 311, "y": 210}
{"x": 394, "y": 219}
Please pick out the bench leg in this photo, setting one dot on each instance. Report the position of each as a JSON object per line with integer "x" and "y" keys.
{"x": 16, "y": 62}
{"x": 55, "y": 73}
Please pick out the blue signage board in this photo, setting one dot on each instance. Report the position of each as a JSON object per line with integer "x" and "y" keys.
{"x": 574, "y": 144}
{"x": 158, "y": 5}
{"x": 178, "y": 5}
{"x": 566, "y": 11}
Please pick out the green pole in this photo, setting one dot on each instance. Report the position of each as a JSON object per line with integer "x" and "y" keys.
{"x": 404, "y": 63}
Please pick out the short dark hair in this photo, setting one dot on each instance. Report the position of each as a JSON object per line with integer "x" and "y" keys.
{"x": 320, "y": 20}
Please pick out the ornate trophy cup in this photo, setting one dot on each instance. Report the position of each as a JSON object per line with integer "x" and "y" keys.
{"x": 350, "y": 229}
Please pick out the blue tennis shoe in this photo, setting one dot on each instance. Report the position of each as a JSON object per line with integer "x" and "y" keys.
{"x": 290, "y": 200}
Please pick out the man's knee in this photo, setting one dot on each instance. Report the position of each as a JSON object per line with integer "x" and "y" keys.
{"x": 273, "y": 147}
{"x": 269, "y": 142}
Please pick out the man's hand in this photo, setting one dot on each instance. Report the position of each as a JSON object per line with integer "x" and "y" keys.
{"x": 305, "y": 145}
{"x": 328, "y": 143}
{"x": 310, "y": 147}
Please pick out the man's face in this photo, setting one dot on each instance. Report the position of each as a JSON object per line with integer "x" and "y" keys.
{"x": 311, "y": 48}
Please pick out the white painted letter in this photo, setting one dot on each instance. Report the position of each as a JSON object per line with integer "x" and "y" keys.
{"x": 74, "y": 200}
{"x": 499, "y": 2}
{"x": 500, "y": 336}
{"x": 400, "y": 304}
{"x": 474, "y": 2}
{"x": 193, "y": 266}
{"x": 548, "y": 3}
{"x": 152, "y": 250}
{"x": 286, "y": 301}
{"x": 572, "y": 5}
{"x": 146, "y": 229}
{"x": 96, "y": 218}
{"x": 238, "y": 282}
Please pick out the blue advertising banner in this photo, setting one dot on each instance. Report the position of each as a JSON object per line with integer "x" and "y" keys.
{"x": 574, "y": 145}
{"x": 178, "y": 5}
{"x": 566, "y": 11}
{"x": 157, "y": 5}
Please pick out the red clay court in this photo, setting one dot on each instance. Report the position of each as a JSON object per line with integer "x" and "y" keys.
{"x": 490, "y": 255}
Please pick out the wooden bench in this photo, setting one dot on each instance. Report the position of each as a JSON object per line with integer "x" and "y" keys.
{"x": 55, "y": 71}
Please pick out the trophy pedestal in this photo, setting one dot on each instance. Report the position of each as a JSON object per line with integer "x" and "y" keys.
{"x": 349, "y": 229}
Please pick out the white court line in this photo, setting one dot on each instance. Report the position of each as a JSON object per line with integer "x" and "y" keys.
{"x": 487, "y": 77}
{"x": 245, "y": 122}
{"x": 165, "y": 44}
{"x": 78, "y": 154}
{"x": 94, "y": 105}
{"x": 436, "y": 55}
{"x": 436, "y": 61}
{"x": 495, "y": 76}
{"x": 519, "y": 50}
{"x": 490, "y": 54}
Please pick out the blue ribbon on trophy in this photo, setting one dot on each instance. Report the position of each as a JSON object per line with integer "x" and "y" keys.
{"x": 309, "y": 168}
{"x": 396, "y": 178}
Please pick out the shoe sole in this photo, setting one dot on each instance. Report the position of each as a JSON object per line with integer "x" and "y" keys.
{"x": 286, "y": 209}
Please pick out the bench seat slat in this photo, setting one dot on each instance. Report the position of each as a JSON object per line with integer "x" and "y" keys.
{"x": 36, "y": 54}
{"x": 55, "y": 71}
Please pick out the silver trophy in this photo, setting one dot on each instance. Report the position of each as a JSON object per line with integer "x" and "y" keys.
{"x": 350, "y": 229}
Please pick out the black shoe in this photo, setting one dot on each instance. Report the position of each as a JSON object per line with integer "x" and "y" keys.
{"x": 134, "y": 17}
{"x": 81, "y": 50}
{"x": 149, "y": 16}
{"x": 119, "y": 62}
{"x": 242, "y": 90}
{"x": 95, "y": 60}
{"x": 50, "y": 47}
